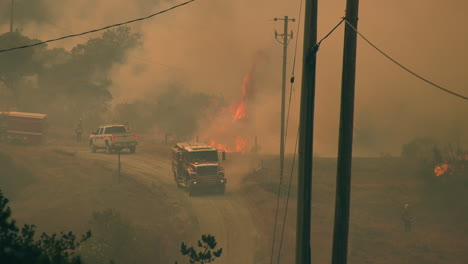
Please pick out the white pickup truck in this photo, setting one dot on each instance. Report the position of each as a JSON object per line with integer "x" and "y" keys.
{"x": 112, "y": 138}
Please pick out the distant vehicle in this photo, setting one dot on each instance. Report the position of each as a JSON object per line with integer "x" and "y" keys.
{"x": 196, "y": 166}
{"x": 23, "y": 128}
{"x": 112, "y": 138}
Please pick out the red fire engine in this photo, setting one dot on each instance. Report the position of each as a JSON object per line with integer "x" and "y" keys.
{"x": 196, "y": 166}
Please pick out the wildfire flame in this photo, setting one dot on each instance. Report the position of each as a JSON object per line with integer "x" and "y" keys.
{"x": 236, "y": 112}
{"x": 241, "y": 145}
{"x": 240, "y": 112}
{"x": 441, "y": 169}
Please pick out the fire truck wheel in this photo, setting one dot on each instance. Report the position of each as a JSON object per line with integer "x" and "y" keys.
{"x": 222, "y": 189}
{"x": 177, "y": 181}
{"x": 132, "y": 149}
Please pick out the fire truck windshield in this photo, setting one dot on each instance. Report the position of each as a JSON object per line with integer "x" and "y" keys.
{"x": 203, "y": 156}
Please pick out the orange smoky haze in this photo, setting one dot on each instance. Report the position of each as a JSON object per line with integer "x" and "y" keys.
{"x": 208, "y": 46}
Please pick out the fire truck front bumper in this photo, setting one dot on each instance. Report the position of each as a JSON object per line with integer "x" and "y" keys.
{"x": 208, "y": 182}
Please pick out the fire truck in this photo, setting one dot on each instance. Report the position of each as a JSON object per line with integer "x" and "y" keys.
{"x": 23, "y": 128}
{"x": 196, "y": 167}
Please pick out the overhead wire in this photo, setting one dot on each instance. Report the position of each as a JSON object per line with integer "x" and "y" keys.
{"x": 404, "y": 67}
{"x": 285, "y": 136}
{"x": 99, "y": 29}
{"x": 297, "y": 135}
{"x": 329, "y": 33}
{"x": 288, "y": 195}
{"x": 294, "y": 63}
{"x": 286, "y": 129}
{"x": 145, "y": 60}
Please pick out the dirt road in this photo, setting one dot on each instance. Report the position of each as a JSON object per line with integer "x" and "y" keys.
{"x": 226, "y": 216}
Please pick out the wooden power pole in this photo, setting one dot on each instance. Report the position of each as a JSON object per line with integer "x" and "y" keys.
{"x": 285, "y": 41}
{"x": 345, "y": 144}
{"x": 306, "y": 133}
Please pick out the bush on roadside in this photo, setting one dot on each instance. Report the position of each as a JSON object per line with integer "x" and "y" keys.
{"x": 18, "y": 245}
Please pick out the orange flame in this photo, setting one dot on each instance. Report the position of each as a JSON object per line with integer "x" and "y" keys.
{"x": 241, "y": 145}
{"x": 225, "y": 124}
{"x": 441, "y": 169}
{"x": 240, "y": 112}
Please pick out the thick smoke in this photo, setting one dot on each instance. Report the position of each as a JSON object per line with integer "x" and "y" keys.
{"x": 209, "y": 45}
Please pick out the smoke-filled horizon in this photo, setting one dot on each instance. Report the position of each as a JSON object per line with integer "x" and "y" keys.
{"x": 209, "y": 46}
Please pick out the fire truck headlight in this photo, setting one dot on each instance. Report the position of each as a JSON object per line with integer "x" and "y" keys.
{"x": 195, "y": 182}
{"x": 221, "y": 181}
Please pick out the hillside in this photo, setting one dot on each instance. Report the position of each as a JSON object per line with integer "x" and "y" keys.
{"x": 58, "y": 187}
{"x": 380, "y": 188}
{"x": 57, "y": 190}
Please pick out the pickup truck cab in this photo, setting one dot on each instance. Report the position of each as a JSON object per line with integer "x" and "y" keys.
{"x": 112, "y": 138}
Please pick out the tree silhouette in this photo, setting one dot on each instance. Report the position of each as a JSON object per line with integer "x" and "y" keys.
{"x": 18, "y": 245}
{"x": 206, "y": 253}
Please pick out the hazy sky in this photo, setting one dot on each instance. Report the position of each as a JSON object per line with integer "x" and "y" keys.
{"x": 210, "y": 45}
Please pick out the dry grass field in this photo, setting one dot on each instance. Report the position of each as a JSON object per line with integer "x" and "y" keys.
{"x": 59, "y": 186}
{"x": 380, "y": 188}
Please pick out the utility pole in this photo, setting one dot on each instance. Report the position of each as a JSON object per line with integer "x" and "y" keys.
{"x": 306, "y": 134}
{"x": 345, "y": 144}
{"x": 285, "y": 41}
{"x": 11, "y": 14}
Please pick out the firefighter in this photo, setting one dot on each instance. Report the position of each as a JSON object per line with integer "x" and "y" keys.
{"x": 127, "y": 125}
{"x": 406, "y": 218}
{"x": 79, "y": 131}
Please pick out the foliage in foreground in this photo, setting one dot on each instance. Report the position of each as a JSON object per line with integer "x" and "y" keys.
{"x": 17, "y": 245}
{"x": 206, "y": 252}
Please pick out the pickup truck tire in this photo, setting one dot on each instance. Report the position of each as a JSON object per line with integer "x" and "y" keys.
{"x": 109, "y": 149}
{"x": 132, "y": 149}
{"x": 92, "y": 147}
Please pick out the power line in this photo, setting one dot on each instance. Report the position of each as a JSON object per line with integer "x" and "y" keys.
{"x": 288, "y": 196}
{"x": 329, "y": 33}
{"x": 284, "y": 139}
{"x": 294, "y": 63}
{"x": 286, "y": 39}
{"x": 405, "y": 68}
{"x": 297, "y": 136}
{"x": 99, "y": 29}
{"x": 297, "y": 40}
{"x": 134, "y": 57}
{"x": 276, "y": 220}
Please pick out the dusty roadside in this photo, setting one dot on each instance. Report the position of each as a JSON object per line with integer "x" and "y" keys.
{"x": 59, "y": 191}
{"x": 380, "y": 188}
{"x": 68, "y": 183}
